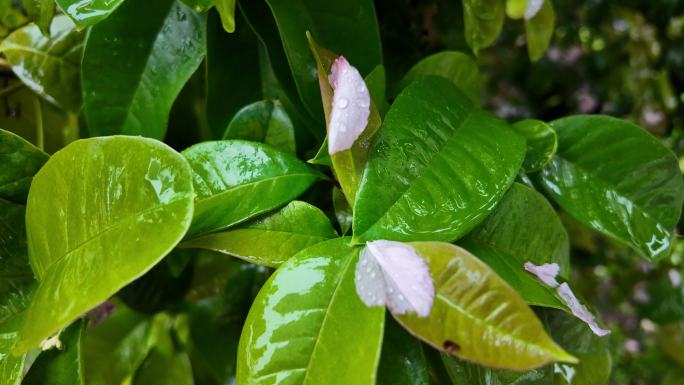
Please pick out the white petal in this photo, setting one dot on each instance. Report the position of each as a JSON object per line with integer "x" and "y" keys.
{"x": 533, "y": 7}
{"x": 394, "y": 272}
{"x": 350, "y": 106}
{"x": 546, "y": 273}
{"x": 580, "y": 311}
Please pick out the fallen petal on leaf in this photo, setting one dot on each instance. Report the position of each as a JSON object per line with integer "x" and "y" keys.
{"x": 546, "y": 273}
{"x": 350, "y": 106}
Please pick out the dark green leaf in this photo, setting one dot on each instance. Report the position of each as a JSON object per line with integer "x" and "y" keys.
{"x": 50, "y": 66}
{"x": 41, "y": 12}
{"x": 484, "y": 20}
{"x": 236, "y": 180}
{"x": 424, "y": 178}
{"x": 273, "y": 239}
{"x": 402, "y": 361}
{"x": 477, "y": 316}
{"x": 539, "y": 31}
{"x": 617, "y": 179}
{"x": 465, "y": 373}
{"x": 88, "y": 12}
{"x": 93, "y": 205}
{"x": 199, "y": 5}
{"x": 265, "y": 121}
{"x": 542, "y": 143}
{"x": 161, "y": 368}
{"x": 308, "y": 322}
{"x": 128, "y": 86}
{"x": 62, "y": 366}
{"x": 665, "y": 301}
{"x": 20, "y": 160}
{"x": 455, "y": 66}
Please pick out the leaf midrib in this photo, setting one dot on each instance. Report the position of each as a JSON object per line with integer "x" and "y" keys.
{"x": 231, "y": 189}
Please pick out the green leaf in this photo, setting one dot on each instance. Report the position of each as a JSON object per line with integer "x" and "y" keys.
{"x": 50, "y": 66}
{"x": 455, "y": 66}
{"x": 273, "y": 239}
{"x": 20, "y": 160}
{"x": 360, "y": 45}
{"x": 617, "y": 179}
{"x": 11, "y": 366}
{"x": 41, "y": 12}
{"x": 477, "y": 316}
{"x": 666, "y": 299}
{"x": 12, "y": 305}
{"x": 484, "y": 20}
{"x": 265, "y": 121}
{"x": 165, "y": 369}
{"x": 128, "y": 86}
{"x": 116, "y": 348}
{"x": 199, "y": 5}
{"x": 93, "y": 205}
{"x": 226, "y": 8}
{"x": 539, "y": 31}
{"x": 464, "y": 373}
{"x": 671, "y": 341}
{"x": 308, "y": 321}
{"x": 402, "y": 361}
{"x": 343, "y": 212}
{"x": 237, "y": 180}
{"x": 515, "y": 9}
{"x": 524, "y": 227}
{"x": 673, "y": 377}
{"x": 16, "y": 277}
{"x": 542, "y": 143}
{"x": 424, "y": 178}
{"x": 88, "y": 12}
{"x": 322, "y": 156}
{"x": 226, "y": 71}
{"x": 61, "y": 366}
{"x": 376, "y": 81}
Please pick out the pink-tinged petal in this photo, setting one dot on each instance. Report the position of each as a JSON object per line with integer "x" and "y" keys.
{"x": 350, "y": 106}
{"x": 533, "y": 7}
{"x": 394, "y": 272}
{"x": 546, "y": 273}
{"x": 580, "y": 311}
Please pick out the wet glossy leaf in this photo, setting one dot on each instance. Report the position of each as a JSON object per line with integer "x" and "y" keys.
{"x": 523, "y": 227}
{"x": 617, "y": 179}
{"x": 50, "y": 66}
{"x": 343, "y": 212}
{"x": 11, "y": 367}
{"x": 88, "y": 12}
{"x": 127, "y": 85}
{"x": 465, "y": 373}
{"x": 307, "y": 322}
{"x": 165, "y": 369}
{"x": 116, "y": 348}
{"x": 402, "y": 361}
{"x": 484, "y": 20}
{"x": 477, "y": 316}
{"x": 455, "y": 66}
{"x": 41, "y": 12}
{"x": 237, "y": 180}
{"x": 226, "y": 8}
{"x": 61, "y": 366}
{"x": 433, "y": 134}
{"x": 542, "y": 143}
{"x": 360, "y": 45}
{"x": 83, "y": 207}
{"x": 20, "y": 160}
{"x": 273, "y": 239}
{"x": 265, "y": 121}
{"x": 539, "y": 31}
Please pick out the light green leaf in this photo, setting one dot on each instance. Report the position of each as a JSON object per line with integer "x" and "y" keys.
{"x": 116, "y": 348}
{"x": 515, "y": 9}
{"x": 402, "y": 361}
{"x": 376, "y": 81}
{"x": 308, "y": 321}
{"x": 61, "y": 366}
{"x": 50, "y": 66}
{"x": 484, "y": 20}
{"x": 542, "y": 143}
{"x": 477, "y": 316}
{"x": 343, "y": 212}
{"x": 226, "y": 8}
{"x": 11, "y": 366}
{"x": 617, "y": 179}
{"x": 128, "y": 86}
{"x": 41, "y": 12}
{"x": 424, "y": 178}
{"x": 93, "y": 205}
{"x": 455, "y": 66}
{"x": 265, "y": 121}
{"x": 523, "y": 227}
{"x": 20, "y": 160}
{"x": 539, "y": 31}
{"x": 237, "y": 180}
{"x": 88, "y": 12}
{"x": 273, "y": 239}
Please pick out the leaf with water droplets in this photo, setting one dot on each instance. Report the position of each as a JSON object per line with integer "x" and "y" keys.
{"x": 391, "y": 273}
{"x": 265, "y": 121}
{"x": 20, "y": 161}
{"x": 88, "y": 12}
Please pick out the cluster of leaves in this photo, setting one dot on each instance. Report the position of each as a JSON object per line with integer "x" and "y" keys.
{"x": 116, "y": 250}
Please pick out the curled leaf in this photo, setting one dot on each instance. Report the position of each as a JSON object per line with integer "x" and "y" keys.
{"x": 350, "y": 106}
{"x": 393, "y": 274}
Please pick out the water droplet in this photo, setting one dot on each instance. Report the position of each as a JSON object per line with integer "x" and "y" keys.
{"x": 361, "y": 89}
{"x": 343, "y": 103}
{"x": 390, "y": 290}
{"x": 368, "y": 269}
{"x": 401, "y": 297}
{"x": 373, "y": 275}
